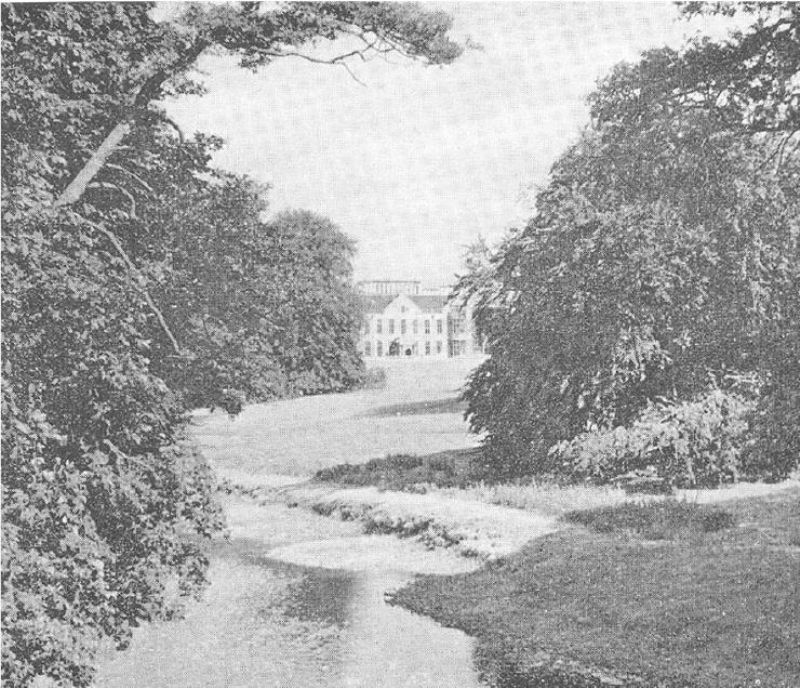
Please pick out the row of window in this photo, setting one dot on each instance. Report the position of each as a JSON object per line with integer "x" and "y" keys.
{"x": 404, "y": 326}
{"x": 457, "y": 326}
{"x": 394, "y": 349}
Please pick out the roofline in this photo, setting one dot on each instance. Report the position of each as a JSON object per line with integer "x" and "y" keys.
{"x": 389, "y": 281}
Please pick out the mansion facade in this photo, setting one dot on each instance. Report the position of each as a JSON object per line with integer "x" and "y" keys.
{"x": 401, "y": 320}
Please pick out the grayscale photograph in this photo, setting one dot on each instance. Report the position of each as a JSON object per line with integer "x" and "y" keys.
{"x": 401, "y": 345}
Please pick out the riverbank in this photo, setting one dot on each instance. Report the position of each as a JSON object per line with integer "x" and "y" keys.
{"x": 586, "y": 587}
{"x": 577, "y": 608}
{"x": 297, "y": 599}
{"x": 470, "y": 528}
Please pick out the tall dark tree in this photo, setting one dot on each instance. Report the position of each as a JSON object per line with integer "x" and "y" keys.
{"x": 266, "y": 308}
{"x": 663, "y": 256}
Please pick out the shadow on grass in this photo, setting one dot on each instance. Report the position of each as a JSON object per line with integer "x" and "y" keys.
{"x": 417, "y": 408}
{"x": 663, "y": 520}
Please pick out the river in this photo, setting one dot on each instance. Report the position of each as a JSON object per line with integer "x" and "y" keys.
{"x": 297, "y": 599}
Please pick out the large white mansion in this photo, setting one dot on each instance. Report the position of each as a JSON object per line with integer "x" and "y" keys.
{"x": 401, "y": 320}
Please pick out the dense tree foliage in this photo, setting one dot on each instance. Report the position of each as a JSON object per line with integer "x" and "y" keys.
{"x": 110, "y": 310}
{"x": 267, "y": 307}
{"x": 662, "y": 261}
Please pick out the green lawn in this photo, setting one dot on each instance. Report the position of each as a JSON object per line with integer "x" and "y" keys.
{"x": 694, "y": 608}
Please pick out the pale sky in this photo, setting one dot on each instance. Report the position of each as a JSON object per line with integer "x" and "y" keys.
{"x": 422, "y": 160}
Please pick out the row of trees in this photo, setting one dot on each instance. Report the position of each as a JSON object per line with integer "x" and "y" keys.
{"x": 138, "y": 282}
{"x": 662, "y": 267}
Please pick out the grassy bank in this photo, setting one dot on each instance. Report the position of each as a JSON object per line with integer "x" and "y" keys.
{"x": 470, "y": 528}
{"x": 714, "y": 601}
{"x": 465, "y": 474}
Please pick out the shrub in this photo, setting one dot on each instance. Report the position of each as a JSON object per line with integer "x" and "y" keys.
{"x": 688, "y": 444}
{"x": 406, "y": 471}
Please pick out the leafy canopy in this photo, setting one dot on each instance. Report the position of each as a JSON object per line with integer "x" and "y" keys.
{"x": 663, "y": 257}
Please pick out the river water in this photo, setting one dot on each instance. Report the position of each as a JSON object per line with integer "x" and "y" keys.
{"x": 297, "y": 599}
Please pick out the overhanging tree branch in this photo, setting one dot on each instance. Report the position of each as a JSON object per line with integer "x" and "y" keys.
{"x": 115, "y": 187}
{"x": 149, "y": 90}
{"x": 339, "y": 60}
{"x": 132, "y": 175}
{"x": 256, "y": 39}
{"x": 171, "y": 122}
{"x": 137, "y": 278}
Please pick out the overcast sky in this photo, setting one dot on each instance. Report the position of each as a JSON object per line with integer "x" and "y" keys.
{"x": 422, "y": 160}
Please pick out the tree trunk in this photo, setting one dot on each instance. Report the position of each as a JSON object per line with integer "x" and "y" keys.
{"x": 78, "y": 185}
{"x": 149, "y": 90}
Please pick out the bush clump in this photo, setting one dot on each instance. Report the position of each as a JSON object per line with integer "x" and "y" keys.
{"x": 405, "y": 471}
{"x": 692, "y": 444}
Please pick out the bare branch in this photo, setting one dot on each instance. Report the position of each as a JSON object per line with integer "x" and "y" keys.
{"x": 352, "y": 75}
{"x": 784, "y": 155}
{"x": 115, "y": 187}
{"x": 138, "y": 280}
{"x": 135, "y": 177}
{"x": 339, "y": 60}
{"x": 168, "y": 120}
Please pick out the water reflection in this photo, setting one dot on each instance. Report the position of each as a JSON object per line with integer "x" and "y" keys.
{"x": 310, "y": 614}
{"x": 383, "y": 645}
{"x": 389, "y": 646}
{"x": 321, "y": 596}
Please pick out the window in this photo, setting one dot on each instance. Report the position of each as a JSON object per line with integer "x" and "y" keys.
{"x": 379, "y": 326}
{"x": 379, "y": 349}
{"x": 427, "y": 327}
{"x": 414, "y": 326}
{"x": 391, "y": 325}
{"x": 402, "y": 326}
{"x": 427, "y": 348}
{"x": 438, "y": 327}
{"x": 368, "y": 348}
{"x": 438, "y": 347}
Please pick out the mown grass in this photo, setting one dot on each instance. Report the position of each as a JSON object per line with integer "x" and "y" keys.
{"x": 542, "y": 496}
{"x": 716, "y": 605}
{"x": 663, "y": 520}
{"x": 374, "y": 378}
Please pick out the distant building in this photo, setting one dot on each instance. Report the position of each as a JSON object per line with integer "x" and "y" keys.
{"x": 399, "y": 320}
{"x": 389, "y": 287}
